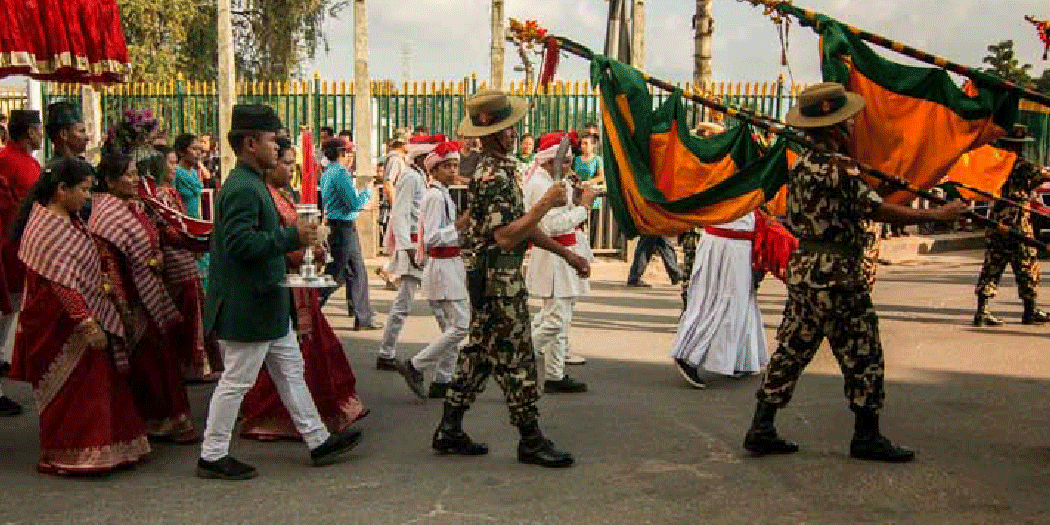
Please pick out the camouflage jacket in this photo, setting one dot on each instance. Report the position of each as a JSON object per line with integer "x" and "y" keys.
{"x": 494, "y": 200}
{"x": 829, "y": 211}
{"x": 1018, "y": 187}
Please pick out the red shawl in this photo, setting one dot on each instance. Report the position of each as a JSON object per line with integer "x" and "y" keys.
{"x": 113, "y": 221}
{"x": 180, "y": 265}
{"x": 63, "y": 252}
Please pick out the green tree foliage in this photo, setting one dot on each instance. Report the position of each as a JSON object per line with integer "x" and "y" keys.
{"x": 1003, "y": 62}
{"x": 272, "y": 38}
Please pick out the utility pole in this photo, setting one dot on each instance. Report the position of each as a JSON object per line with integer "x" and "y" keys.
{"x": 498, "y": 46}
{"x": 363, "y": 122}
{"x": 227, "y": 85}
{"x": 703, "y": 25}
{"x": 638, "y": 34}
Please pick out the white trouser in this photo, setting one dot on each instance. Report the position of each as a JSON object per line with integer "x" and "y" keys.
{"x": 9, "y": 327}
{"x": 550, "y": 333}
{"x": 443, "y": 352}
{"x": 243, "y": 361}
{"x": 399, "y": 310}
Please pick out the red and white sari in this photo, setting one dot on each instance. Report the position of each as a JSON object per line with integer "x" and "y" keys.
{"x": 88, "y": 419}
{"x": 130, "y": 246}
{"x": 328, "y": 373}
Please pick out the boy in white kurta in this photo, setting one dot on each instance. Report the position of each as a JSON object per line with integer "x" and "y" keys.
{"x": 444, "y": 277}
{"x": 404, "y": 236}
{"x": 549, "y": 277}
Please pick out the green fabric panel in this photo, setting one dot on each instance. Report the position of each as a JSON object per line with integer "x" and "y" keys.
{"x": 927, "y": 83}
{"x": 767, "y": 173}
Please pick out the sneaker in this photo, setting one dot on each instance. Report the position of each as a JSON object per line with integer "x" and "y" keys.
{"x": 413, "y": 377}
{"x": 8, "y": 407}
{"x": 690, "y": 373}
{"x": 386, "y": 363}
{"x": 333, "y": 449}
{"x": 225, "y": 468}
{"x": 573, "y": 359}
{"x": 565, "y": 385}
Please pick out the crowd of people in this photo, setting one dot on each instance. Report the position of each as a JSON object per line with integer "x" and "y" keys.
{"x": 114, "y": 301}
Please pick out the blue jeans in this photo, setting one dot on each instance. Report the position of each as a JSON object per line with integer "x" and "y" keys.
{"x": 646, "y": 245}
{"x": 348, "y": 266}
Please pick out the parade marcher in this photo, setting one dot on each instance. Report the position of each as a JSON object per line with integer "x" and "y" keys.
{"x": 248, "y": 310}
{"x": 721, "y": 330}
{"x": 132, "y": 257}
{"x": 500, "y": 339}
{"x": 70, "y": 336}
{"x": 343, "y": 201}
{"x": 689, "y": 239}
{"x": 828, "y": 209}
{"x": 444, "y": 279}
{"x": 403, "y": 236}
{"x": 549, "y": 277}
{"x": 327, "y": 372}
{"x": 18, "y": 172}
{"x": 1002, "y": 248}
{"x": 66, "y": 130}
{"x": 199, "y": 357}
{"x": 647, "y": 244}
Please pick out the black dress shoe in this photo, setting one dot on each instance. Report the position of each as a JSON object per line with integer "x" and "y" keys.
{"x": 374, "y": 325}
{"x": 226, "y": 468}
{"x": 565, "y": 385}
{"x": 386, "y": 363}
{"x": 413, "y": 377}
{"x": 4, "y": 368}
{"x": 437, "y": 390}
{"x": 8, "y": 407}
{"x": 333, "y": 449}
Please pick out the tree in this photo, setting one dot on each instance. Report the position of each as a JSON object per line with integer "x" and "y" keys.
{"x": 1042, "y": 84}
{"x": 1004, "y": 63}
{"x": 272, "y": 37}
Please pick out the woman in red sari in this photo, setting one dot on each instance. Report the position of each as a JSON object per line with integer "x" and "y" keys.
{"x": 328, "y": 374}
{"x": 70, "y": 336}
{"x": 130, "y": 245}
{"x": 199, "y": 357}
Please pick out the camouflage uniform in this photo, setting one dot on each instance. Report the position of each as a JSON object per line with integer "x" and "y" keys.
{"x": 828, "y": 295}
{"x": 1001, "y": 249}
{"x": 688, "y": 242}
{"x": 500, "y": 332}
{"x": 872, "y": 247}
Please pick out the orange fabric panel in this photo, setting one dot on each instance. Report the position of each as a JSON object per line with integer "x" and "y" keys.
{"x": 677, "y": 172}
{"x": 652, "y": 219}
{"x": 985, "y": 168}
{"x": 778, "y": 205}
{"x": 915, "y": 139}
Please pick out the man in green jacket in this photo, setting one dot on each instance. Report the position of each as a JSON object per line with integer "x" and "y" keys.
{"x": 247, "y": 309}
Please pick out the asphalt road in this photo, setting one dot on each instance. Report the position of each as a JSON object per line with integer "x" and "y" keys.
{"x": 973, "y": 402}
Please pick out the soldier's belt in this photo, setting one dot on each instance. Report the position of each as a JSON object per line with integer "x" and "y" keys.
{"x": 505, "y": 262}
{"x": 833, "y": 248}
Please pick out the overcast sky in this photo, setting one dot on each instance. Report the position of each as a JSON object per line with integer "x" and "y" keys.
{"x": 450, "y": 38}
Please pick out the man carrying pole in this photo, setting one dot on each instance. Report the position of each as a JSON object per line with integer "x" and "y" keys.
{"x": 829, "y": 209}
{"x": 1003, "y": 249}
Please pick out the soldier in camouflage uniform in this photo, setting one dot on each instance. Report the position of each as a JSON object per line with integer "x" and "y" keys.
{"x": 829, "y": 209}
{"x": 872, "y": 247}
{"x": 1003, "y": 249}
{"x": 498, "y": 231}
{"x": 688, "y": 242}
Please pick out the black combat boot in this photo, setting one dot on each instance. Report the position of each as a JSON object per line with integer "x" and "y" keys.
{"x": 982, "y": 317}
{"x": 535, "y": 449}
{"x": 449, "y": 437}
{"x": 869, "y": 443}
{"x": 762, "y": 437}
{"x": 1032, "y": 314}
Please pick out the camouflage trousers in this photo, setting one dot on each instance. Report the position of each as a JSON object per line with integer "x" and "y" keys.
{"x": 688, "y": 242}
{"x": 872, "y": 248}
{"x": 847, "y": 318}
{"x": 1022, "y": 259}
{"x": 500, "y": 345}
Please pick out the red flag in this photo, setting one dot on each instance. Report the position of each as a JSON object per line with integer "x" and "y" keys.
{"x": 309, "y": 186}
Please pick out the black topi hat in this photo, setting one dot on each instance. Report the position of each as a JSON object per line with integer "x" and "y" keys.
{"x": 24, "y": 117}
{"x": 255, "y": 117}
{"x": 63, "y": 113}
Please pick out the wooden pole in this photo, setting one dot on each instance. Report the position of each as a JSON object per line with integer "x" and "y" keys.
{"x": 498, "y": 46}
{"x": 638, "y": 34}
{"x": 703, "y": 26}
{"x": 363, "y": 124}
{"x": 226, "y": 85}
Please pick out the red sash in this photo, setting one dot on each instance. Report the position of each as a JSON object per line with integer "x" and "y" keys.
{"x": 444, "y": 252}
{"x": 569, "y": 239}
{"x": 737, "y": 235}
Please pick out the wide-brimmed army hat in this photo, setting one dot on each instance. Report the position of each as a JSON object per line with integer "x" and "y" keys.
{"x": 824, "y": 104}
{"x": 490, "y": 111}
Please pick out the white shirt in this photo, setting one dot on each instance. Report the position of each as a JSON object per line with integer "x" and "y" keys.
{"x": 548, "y": 274}
{"x": 443, "y": 279}
{"x": 404, "y": 220}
